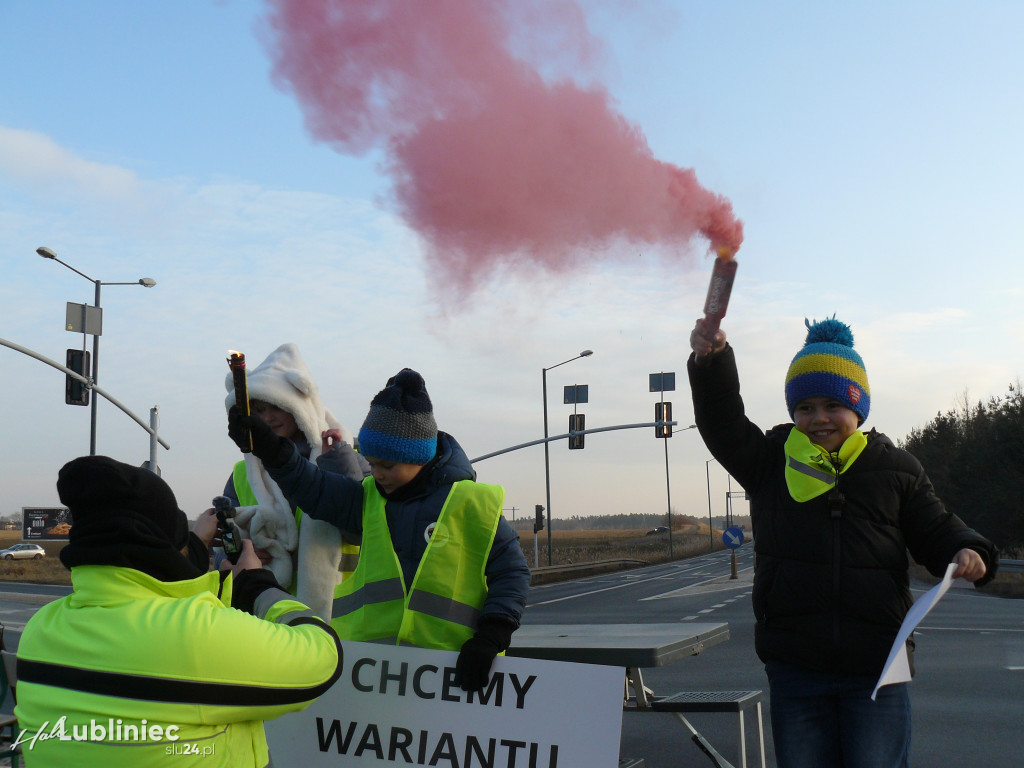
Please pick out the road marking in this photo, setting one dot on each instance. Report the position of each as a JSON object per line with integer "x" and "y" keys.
{"x": 717, "y": 584}
{"x": 597, "y": 591}
{"x": 972, "y": 629}
{"x": 631, "y": 583}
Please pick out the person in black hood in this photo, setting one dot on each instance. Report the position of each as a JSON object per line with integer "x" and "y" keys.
{"x": 150, "y": 637}
{"x": 834, "y": 512}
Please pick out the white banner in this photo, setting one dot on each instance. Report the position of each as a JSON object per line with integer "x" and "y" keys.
{"x": 395, "y": 706}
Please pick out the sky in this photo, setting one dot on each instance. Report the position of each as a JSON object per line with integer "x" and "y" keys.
{"x": 478, "y": 191}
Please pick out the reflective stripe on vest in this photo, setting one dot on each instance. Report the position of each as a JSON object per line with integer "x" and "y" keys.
{"x": 246, "y": 498}
{"x": 442, "y": 607}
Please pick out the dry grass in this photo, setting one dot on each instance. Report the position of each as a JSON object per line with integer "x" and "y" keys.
{"x": 48, "y": 570}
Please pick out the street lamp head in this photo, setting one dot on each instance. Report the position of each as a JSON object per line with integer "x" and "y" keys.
{"x": 148, "y": 282}
{"x": 586, "y": 353}
{"x": 45, "y": 252}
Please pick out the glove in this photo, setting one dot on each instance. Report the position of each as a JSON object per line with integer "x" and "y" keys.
{"x": 272, "y": 450}
{"x": 474, "y": 663}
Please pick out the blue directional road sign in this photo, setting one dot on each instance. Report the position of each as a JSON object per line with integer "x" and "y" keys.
{"x": 733, "y": 537}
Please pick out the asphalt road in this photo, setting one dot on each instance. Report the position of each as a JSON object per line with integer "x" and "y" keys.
{"x": 967, "y": 695}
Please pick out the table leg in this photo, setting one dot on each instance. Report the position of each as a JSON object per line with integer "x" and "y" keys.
{"x": 635, "y": 681}
{"x": 705, "y": 745}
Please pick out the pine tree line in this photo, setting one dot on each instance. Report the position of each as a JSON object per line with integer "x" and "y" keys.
{"x": 974, "y": 455}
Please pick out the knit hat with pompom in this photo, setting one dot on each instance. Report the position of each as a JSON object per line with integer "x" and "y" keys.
{"x": 400, "y": 426}
{"x": 827, "y": 366}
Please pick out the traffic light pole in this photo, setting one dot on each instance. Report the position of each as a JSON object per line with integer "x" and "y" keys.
{"x": 84, "y": 380}
{"x": 95, "y": 377}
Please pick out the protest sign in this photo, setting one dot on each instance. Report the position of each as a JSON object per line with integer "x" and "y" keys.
{"x": 398, "y": 706}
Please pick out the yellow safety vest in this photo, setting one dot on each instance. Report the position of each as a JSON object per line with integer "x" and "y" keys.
{"x": 349, "y": 551}
{"x": 442, "y": 607}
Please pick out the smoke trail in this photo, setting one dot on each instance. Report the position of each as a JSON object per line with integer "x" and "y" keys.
{"x": 492, "y": 163}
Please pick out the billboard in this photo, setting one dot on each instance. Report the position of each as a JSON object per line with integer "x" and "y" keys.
{"x": 45, "y": 523}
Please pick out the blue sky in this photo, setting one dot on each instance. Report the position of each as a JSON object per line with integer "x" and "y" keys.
{"x": 871, "y": 151}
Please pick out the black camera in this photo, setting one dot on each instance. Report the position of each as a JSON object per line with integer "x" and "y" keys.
{"x": 229, "y": 535}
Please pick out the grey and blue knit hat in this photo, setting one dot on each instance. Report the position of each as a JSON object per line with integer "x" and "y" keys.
{"x": 400, "y": 426}
{"x": 827, "y": 366}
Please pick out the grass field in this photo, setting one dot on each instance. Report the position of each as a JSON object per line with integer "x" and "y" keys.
{"x": 49, "y": 570}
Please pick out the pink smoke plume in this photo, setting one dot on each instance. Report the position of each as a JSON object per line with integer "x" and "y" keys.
{"x": 492, "y": 164}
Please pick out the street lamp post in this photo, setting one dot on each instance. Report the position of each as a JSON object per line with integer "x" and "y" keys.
{"x": 146, "y": 282}
{"x": 547, "y": 461}
{"x": 711, "y": 532}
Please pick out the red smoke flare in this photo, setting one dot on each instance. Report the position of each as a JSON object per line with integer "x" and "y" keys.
{"x": 492, "y": 164}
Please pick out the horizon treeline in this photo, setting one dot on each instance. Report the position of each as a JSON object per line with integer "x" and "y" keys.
{"x": 617, "y": 522}
{"x": 974, "y": 456}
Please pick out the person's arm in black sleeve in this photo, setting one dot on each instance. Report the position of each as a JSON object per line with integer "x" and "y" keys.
{"x": 336, "y": 499}
{"x": 934, "y": 534}
{"x": 508, "y": 583}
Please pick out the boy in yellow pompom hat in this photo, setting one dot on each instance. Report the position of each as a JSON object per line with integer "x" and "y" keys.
{"x": 834, "y": 512}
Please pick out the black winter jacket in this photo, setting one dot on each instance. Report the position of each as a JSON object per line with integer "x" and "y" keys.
{"x": 830, "y": 589}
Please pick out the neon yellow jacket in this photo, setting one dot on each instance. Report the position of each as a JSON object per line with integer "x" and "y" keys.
{"x": 441, "y": 608}
{"x": 125, "y": 651}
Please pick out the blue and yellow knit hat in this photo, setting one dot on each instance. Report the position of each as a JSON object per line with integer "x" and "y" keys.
{"x": 400, "y": 426}
{"x": 827, "y": 366}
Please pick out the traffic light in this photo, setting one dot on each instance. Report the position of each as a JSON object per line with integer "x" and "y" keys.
{"x": 75, "y": 391}
{"x": 538, "y": 523}
{"x": 663, "y": 412}
{"x": 576, "y": 422}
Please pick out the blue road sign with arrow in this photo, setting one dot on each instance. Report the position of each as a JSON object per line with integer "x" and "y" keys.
{"x": 733, "y": 537}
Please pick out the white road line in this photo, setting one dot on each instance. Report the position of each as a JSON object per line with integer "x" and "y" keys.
{"x": 971, "y": 629}
{"x": 689, "y": 591}
{"x": 598, "y": 591}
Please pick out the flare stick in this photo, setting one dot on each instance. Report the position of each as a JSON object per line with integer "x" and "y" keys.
{"x": 719, "y": 289}
{"x": 236, "y": 362}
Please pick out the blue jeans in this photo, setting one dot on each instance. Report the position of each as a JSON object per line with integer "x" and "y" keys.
{"x": 826, "y": 720}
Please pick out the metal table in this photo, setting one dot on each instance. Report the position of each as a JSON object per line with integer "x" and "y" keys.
{"x": 634, "y": 647}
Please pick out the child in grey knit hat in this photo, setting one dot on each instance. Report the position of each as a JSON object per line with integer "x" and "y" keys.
{"x": 443, "y": 565}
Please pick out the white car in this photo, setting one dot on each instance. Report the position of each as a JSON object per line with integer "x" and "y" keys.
{"x": 23, "y": 552}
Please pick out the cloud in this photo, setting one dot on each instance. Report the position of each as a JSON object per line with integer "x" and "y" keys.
{"x": 37, "y": 160}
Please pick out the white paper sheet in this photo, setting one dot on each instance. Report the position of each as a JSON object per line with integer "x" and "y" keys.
{"x": 897, "y": 666}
